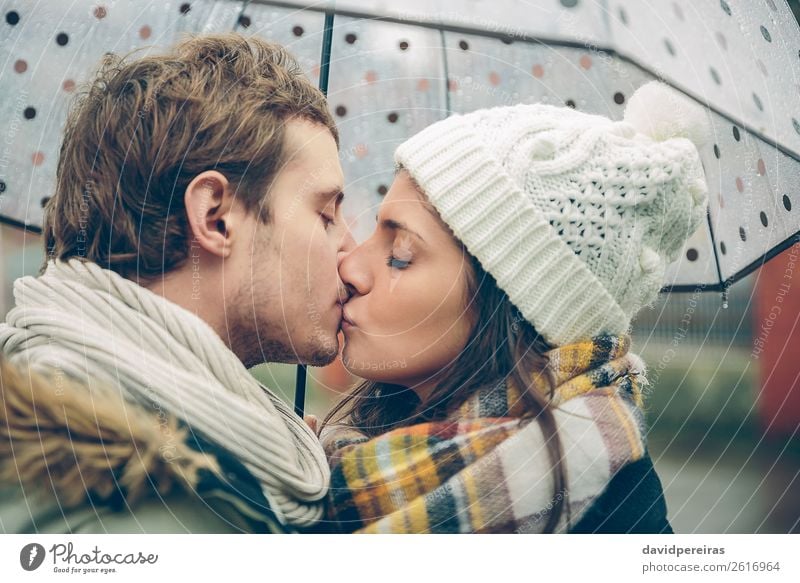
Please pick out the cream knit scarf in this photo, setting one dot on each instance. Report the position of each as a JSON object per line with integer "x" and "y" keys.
{"x": 111, "y": 334}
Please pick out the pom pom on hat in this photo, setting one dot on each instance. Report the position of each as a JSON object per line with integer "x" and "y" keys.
{"x": 661, "y": 112}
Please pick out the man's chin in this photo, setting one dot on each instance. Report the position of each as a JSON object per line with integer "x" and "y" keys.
{"x": 321, "y": 353}
{"x": 316, "y": 352}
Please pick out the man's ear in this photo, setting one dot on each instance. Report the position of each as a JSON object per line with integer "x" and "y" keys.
{"x": 209, "y": 202}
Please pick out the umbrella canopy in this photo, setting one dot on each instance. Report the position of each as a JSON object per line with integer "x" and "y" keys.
{"x": 395, "y": 68}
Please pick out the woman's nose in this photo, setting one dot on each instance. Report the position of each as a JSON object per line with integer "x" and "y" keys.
{"x": 354, "y": 270}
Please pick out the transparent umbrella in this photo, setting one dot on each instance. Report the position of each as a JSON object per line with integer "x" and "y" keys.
{"x": 394, "y": 68}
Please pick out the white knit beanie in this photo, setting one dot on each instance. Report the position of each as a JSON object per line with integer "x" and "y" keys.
{"x": 576, "y": 216}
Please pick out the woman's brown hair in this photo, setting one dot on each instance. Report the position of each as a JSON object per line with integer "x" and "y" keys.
{"x": 502, "y": 344}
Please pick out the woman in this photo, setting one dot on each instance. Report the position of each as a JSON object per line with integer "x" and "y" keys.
{"x": 489, "y": 319}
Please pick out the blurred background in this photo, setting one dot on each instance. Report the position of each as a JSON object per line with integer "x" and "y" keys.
{"x": 724, "y": 403}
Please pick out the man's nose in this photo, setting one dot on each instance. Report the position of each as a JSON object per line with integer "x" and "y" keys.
{"x": 348, "y": 242}
{"x": 344, "y": 290}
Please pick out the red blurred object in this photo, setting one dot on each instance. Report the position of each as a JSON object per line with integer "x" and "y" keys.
{"x": 776, "y": 343}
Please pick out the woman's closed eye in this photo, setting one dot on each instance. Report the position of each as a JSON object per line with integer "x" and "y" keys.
{"x": 397, "y": 263}
{"x": 401, "y": 254}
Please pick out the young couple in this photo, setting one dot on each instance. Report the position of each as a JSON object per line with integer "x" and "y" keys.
{"x": 196, "y": 230}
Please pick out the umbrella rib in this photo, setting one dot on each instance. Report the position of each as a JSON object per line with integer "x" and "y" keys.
{"x": 324, "y": 70}
{"x": 4, "y": 220}
{"x": 764, "y": 258}
{"x": 711, "y": 233}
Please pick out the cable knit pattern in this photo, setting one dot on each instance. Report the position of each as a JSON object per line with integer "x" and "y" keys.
{"x": 576, "y": 216}
{"x": 108, "y": 333}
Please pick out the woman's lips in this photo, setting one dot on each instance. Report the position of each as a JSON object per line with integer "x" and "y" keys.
{"x": 346, "y": 321}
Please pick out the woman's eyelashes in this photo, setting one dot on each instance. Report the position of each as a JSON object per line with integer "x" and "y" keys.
{"x": 400, "y": 258}
{"x": 396, "y": 263}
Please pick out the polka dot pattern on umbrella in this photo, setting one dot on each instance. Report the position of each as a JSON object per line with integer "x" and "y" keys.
{"x": 390, "y": 79}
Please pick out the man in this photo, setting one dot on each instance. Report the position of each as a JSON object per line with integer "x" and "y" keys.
{"x": 194, "y": 232}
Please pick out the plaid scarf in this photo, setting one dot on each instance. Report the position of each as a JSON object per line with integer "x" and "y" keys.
{"x": 485, "y": 469}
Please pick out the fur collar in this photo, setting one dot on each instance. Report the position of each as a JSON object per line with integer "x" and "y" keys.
{"x": 57, "y": 436}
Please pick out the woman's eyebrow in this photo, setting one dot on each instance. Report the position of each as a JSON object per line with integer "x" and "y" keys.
{"x": 398, "y": 226}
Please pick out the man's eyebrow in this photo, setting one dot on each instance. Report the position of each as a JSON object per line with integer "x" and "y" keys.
{"x": 398, "y": 226}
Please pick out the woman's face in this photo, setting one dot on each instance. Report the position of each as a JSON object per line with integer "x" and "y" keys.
{"x": 408, "y": 312}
